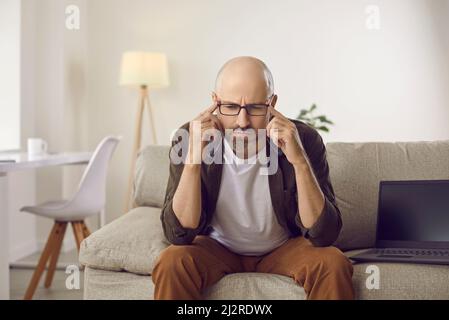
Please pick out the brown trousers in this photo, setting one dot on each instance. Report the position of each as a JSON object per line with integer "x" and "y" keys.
{"x": 182, "y": 272}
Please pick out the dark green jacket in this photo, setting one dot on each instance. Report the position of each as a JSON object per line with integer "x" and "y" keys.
{"x": 284, "y": 196}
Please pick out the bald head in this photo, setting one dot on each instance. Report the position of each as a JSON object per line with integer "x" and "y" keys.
{"x": 244, "y": 76}
{"x": 244, "y": 81}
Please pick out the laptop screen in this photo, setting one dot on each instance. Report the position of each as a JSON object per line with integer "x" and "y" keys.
{"x": 416, "y": 211}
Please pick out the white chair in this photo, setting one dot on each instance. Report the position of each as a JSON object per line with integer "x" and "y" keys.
{"x": 89, "y": 200}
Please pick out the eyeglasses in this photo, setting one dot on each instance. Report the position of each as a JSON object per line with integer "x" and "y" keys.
{"x": 253, "y": 109}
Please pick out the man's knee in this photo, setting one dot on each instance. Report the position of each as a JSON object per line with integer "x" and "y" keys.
{"x": 173, "y": 259}
{"x": 332, "y": 260}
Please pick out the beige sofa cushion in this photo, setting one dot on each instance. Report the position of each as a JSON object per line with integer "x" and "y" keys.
{"x": 396, "y": 281}
{"x": 132, "y": 243}
{"x": 411, "y": 281}
{"x": 101, "y": 284}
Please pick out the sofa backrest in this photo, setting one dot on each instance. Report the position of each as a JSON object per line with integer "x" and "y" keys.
{"x": 356, "y": 168}
{"x": 151, "y": 176}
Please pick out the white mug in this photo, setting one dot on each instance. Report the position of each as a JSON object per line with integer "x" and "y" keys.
{"x": 37, "y": 146}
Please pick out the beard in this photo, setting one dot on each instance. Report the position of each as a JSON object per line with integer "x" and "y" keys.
{"x": 244, "y": 142}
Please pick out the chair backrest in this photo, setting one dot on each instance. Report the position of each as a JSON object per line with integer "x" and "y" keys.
{"x": 91, "y": 194}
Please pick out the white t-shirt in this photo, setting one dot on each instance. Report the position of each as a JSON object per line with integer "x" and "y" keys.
{"x": 244, "y": 220}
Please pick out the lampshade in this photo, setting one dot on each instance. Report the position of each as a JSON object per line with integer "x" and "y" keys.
{"x": 144, "y": 68}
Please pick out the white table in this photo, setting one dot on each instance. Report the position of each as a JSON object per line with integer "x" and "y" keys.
{"x": 21, "y": 162}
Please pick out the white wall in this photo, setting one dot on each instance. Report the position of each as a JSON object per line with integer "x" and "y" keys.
{"x": 23, "y": 235}
{"x": 53, "y": 106}
{"x": 10, "y": 74}
{"x": 389, "y": 84}
{"x": 61, "y": 66}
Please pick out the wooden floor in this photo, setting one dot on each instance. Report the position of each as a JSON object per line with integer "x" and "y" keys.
{"x": 21, "y": 272}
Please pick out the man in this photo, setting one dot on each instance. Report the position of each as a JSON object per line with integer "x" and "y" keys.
{"x": 223, "y": 218}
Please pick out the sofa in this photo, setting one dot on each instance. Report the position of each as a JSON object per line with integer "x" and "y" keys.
{"x": 119, "y": 257}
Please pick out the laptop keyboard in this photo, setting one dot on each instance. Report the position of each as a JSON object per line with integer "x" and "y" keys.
{"x": 414, "y": 252}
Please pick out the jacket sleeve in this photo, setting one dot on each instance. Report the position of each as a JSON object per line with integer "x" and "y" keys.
{"x": 173, "y": 230}
{"x": 327, "y": 228}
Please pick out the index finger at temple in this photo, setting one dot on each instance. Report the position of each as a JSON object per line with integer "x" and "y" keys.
{"x": 211, "y": 108}
{"x": 275, "y": 112}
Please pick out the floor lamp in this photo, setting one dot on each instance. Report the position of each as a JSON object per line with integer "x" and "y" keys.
{"x": 144, "y": 70}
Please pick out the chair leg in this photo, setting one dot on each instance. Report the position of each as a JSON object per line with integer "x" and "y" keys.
{"x": 43, "y": 261}
{"x": 55, "y": 254}
{"x": 78, "y": 233}
{"x": 86, "y": 230}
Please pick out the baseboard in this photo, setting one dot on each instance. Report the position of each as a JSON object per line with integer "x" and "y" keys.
{"x": 23, "y": 251}
{"x": 67, "y": 245}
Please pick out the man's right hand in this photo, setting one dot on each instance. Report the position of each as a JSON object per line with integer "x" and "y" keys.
{"x": 204, "y": 121}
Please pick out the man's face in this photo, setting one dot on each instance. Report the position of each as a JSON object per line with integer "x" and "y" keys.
{"x": 243, "y": 81}
{"x": 239, "y": 124}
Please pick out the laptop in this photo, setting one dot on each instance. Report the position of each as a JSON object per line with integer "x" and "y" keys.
{"x": 412, "y": 223}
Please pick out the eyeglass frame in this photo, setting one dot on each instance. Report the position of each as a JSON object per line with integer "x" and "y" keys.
{"x": 267, "y": 104}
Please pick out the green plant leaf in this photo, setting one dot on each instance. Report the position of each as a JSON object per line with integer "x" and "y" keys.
{"x": 314, "y": 121}
{"x": 327, "y": 121}
{"x": 323, "y": 128}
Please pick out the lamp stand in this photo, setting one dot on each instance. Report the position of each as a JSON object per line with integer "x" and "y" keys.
{"x": 138, "y": 140}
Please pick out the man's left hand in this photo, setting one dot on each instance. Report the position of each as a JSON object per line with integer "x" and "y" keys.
{"x": 285, "y": 135}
